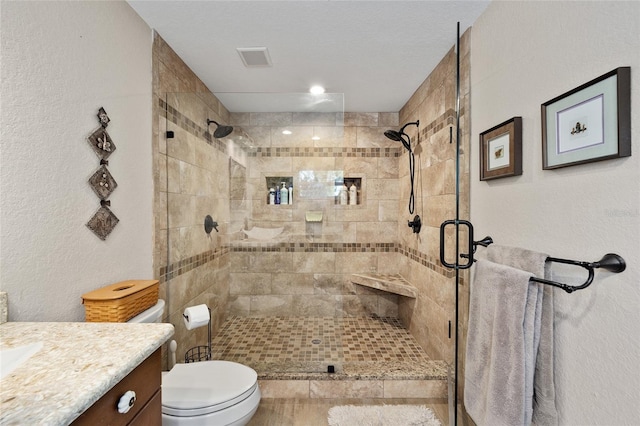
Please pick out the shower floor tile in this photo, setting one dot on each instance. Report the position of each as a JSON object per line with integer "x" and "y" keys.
{"x": 302, "y": 347}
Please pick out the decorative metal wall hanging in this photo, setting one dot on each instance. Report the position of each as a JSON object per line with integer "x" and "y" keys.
{"x": 101, "y": 143}
{"x": 103, "y": 222}
{"x": 102, "y": 183}
{"x": 103, "y": 117}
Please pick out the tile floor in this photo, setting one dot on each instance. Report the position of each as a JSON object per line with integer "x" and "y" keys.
{"x": 323, "y": 340}
{"x": 302, "y": 348}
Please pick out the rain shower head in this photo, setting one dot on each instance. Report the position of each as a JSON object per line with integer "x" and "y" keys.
{"x": 399, "y": 136}
{"x": 221, "y": 130}
{"x": 396, "y": 136}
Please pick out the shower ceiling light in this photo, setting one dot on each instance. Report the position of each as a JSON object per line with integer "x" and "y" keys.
{"x": 315, "y": 138}
{"x": 286, "y": 132}
{"x": 317, "y": 90}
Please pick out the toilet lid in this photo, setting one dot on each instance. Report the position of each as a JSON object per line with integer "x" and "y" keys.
{"x": 203, "y": 387}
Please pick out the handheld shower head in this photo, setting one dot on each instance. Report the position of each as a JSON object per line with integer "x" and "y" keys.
{"x": 221, "y": 130}
{"x": 399, "y": 136}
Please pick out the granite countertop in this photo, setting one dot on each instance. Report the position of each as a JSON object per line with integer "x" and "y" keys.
{"x": 78, "y": 363}
{"x": 352, "y": 370}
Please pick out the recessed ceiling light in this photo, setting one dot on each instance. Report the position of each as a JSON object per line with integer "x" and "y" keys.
{"x": 316, "y": 138}
{"x": 286, "y": 132}
{"x": 317, "y": 90}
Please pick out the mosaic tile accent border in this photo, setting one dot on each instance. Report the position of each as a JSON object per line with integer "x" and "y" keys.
{"x": 188, "y": 125}
{"x": 324, "y": 152}
{"x": 176, "y": 117}
{"x": 445, "y": 120}
{"x": 185, "y": 123}
{"x": 188, "y": 264}
{"x": 183, "y": 266}
{"x": 427, "y": 261}
{"x": 304, "y": 247}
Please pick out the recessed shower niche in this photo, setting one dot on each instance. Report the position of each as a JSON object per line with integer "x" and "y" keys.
{"x": 279, "y": 190}
{"x": 315, "y": 185}
{"x": 348, "y": 191}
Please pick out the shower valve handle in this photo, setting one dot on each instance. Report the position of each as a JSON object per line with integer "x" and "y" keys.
{"x": 416, "y": 225}
{"x": 210, "y": 225}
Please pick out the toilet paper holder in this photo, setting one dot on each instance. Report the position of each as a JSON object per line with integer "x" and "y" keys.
{"x": 200, "y": 353}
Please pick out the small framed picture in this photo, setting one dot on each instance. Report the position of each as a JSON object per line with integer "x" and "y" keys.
{"x": 589, "y": 123}
{"x": 501, "y": 150}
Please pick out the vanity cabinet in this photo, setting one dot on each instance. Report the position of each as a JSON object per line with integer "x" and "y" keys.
{"x": 145, "y": 380}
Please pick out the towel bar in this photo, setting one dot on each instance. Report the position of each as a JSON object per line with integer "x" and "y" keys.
{"x": 610, "y": 261}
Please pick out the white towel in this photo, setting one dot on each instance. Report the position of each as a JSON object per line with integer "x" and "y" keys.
{"x": 519, "y": 258}
{"x": 544, "y": 405}
{"x": 545, "y": 412}
{"x": 501, "y": 339}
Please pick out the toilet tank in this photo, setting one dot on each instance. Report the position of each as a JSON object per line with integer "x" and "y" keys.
{"x": 153, "y": 314}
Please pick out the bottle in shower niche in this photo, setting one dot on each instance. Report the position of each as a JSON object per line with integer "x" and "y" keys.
{"x": 284, "y": 194}
{"x": 290, "y": 193}
{"x": 277, "y": 195}
{"x": 353, "y": 195}
{"x": 343, "y": 195}
{"x": 272, "y": 196}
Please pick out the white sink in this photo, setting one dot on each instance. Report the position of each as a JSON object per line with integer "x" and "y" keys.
{"x": 12, "y": 358}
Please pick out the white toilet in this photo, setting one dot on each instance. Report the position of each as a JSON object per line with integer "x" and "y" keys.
{"x": 208, "y": 392}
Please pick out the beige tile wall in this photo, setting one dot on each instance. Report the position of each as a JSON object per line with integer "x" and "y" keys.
{"x": 302, "y": 274}
{"x": 434, "y": 104}
{"x": 191, "y": 180}
{"x": 306, "y": 271}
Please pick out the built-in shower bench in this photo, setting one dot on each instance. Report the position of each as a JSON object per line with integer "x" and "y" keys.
{"x": 391, "y": 283}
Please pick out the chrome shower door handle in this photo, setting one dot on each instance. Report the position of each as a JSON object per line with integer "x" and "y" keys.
{"x": 456, "y": 265}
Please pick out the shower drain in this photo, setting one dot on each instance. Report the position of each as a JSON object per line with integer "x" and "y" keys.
{"x": 316, "y": 341}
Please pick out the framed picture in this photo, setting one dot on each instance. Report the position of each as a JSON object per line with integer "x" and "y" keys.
{"x": 501, "y": 150}
{"x": 590, "y": 123}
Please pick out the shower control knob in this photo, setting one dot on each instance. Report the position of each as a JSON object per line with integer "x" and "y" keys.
{"x": 415, "y": 225}
{"x": 126, "y": 402}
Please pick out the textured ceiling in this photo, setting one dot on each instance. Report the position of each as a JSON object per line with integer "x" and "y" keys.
{"x": 371, "y": 54}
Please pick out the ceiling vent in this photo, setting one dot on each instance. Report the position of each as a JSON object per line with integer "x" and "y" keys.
{"x": 254, "y": 56}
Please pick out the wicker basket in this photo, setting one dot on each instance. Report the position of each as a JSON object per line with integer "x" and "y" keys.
{"x": 121, "y": 301}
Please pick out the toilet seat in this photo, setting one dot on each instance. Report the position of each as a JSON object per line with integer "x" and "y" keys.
{"x": 200, "y": 388}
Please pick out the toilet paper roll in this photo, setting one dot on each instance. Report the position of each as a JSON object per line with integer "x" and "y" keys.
{"x": 196, "y": 316}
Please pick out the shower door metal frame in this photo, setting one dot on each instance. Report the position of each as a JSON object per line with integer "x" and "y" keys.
{"x": 457, "y": 222}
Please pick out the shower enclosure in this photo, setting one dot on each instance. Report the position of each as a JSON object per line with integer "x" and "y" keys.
{"x": 290, "y": 259}
{"x": 293, "y": 264}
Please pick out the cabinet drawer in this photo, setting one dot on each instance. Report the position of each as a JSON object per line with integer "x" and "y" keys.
{"x": 150, "y": 414}
{"x": 145, "y": 381}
